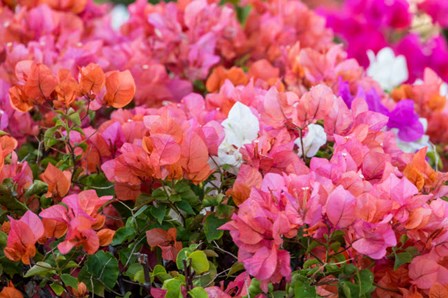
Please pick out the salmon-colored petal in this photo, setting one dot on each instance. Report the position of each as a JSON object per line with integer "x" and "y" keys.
{"x": 57, "y": 180}
{"x": 40, "y": 83}
{"x": 19, "y": 100}
{"x": 120, "y": 88}
{"x": 92, "y": 79}
{"x": 105, "y": 236}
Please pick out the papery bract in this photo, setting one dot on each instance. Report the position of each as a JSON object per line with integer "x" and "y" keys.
{"x": 23, "y": 236}
{"x": 312, "y": 141}
{"x": 374, "y": 239}
{"x": 313, "y": 105}
{"x": 10, "y": 292}
{"x": 340, "y": 208}
{"x": 387, "y": 69}
{"x": 58, "y": 181}
{"x": 241, "y": 127}
{"x": 120, "y": 88}
{"x": 166, "y": 240}
{"x": 92, "y": 79}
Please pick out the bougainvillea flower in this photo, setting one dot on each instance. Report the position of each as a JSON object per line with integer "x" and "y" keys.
{"x": 40, "y": 82}
{"x": 438, "y": 10}
{"x": 58, "y": 181}
{"x": 387, "y": 69}
{"x": 427, "y": 270}
{"x": 166, "y": 241}
{"x": 374, "y": 239}
{"x": 10, "y": 292}
{"x": 81, "y": 218}
{"x": 247, "y": 178}
{"x": 314, "y": 138}
{"x": 404, "y": 118}
{"x": 313, "y": 106}
{"x": 241, "y": 127}
{"x": 7, "y": 146}
{"x": 269, "y": 264}
{"x": 23, "y": 236}
{"x": 219, "y": 74}
{"x": 340, "y": 208}
{"x": 92, "y": 79}
{"x": 120, "y": 88}
{"x": 67, "y": 90}
{"x": 19, "y": 100}
{"x": 194, "y": 158}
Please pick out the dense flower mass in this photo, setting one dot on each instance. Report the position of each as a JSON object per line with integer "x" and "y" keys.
{"x": 223, "y": 149}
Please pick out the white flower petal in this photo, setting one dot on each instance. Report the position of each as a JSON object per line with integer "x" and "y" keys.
{"x": 241, "y": 127}
{"x": 119, "y": 15}
{"x": 387, "y": 69}
{"x": 312, "y": 141}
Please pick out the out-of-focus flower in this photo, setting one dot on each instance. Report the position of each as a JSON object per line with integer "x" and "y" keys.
{"x": 119, "y": 15}
{"x": 412, "y": 147}
{"x": 387, "y": 69}
{"x": 10, "y": 292}
{"x": 438, "y": 10}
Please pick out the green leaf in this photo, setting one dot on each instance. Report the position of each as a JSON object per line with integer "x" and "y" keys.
{"x": 49, "y": 137}
{"x": 366, "y": 282}
{"x": 185, "y": 206}
{"x": 71, "y": 264}
{"x": 279, "y": 294}
{"x": 199, "y": 261}
{"x": 175, "y": 198}
{"x": 254, "y": 288}
{"x": 69, "y": 280}
{"x": 41, "y": 269}
{"x": 236, "y": 267}
{"x": 140, "y": 211}
{"x": 123, "y": 234}
{"x": 37, "y": 188}
{"x": 198, "y": 292}
{"x": 8, "y": 200}
{"x": 211, "y": 253}
{"x": 210, "y": 201}
{"x": 402, "y": 258}
{"x": 405, "y": 257}
{"x": 103, "y": 267}
{"x": 158, "y": 212}
{"x": 3, "y": 239}
{"x": 301, "y": 286}
{"x": 345, "y": 285}
{"x": 242, "y": 14}
{"x": 224, "y": 211}
{"x": 173, "y": 287}
{"x": 181, "y": 256}
{"x": 99, "y": 183}
{"x": 211, "y": 225}
{"x": 160, "y": 273}
{"x": 349, "y": 269}
{"x": 58, "y": 289}
{"x": 159, "y": 195}
{"x": 208, "y": 278}
{"x": 74, "y": 117}
{"x": 310, "y": 262}
{"x": 135, "y": 272}
{"x": 142, "y": 200}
